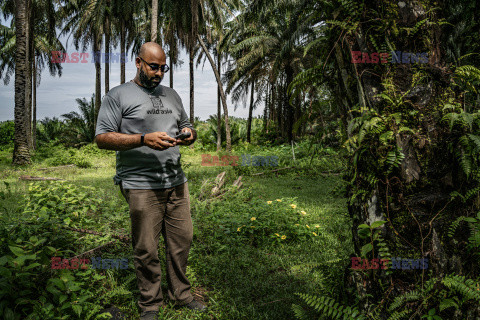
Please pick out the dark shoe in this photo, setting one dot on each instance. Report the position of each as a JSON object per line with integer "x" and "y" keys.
{"x": 149, "y": 315}
{"x": 195, "y": 305}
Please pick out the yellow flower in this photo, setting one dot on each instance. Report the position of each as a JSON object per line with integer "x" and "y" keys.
{"x": 284, "y": 237}
{"x": 293, "y": 206}
{"x": 253, "y": 219}
{"x": 252, "y": 226}
{"x": 303, "y": 212}
{"x": 314, "y": 234}
{"x": 297, "y": 224}
{"x": 269, "y": 202}
{"x": 238, "y": 229}
{"x": 279, "y": 200}
{"x": 317, "y": 226}
{"x": 307, "y": 226}
{"x": 277, "y": 234}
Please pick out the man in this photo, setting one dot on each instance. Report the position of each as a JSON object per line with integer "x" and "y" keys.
{"x": 139, "y": 119}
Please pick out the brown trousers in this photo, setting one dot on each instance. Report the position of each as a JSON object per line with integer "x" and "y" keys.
{"x": 152, "y": 212}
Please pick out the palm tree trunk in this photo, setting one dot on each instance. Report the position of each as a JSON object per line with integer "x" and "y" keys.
{"x": 266, "y": 111}
{"x": 154, "y": 20}
{"x": 279, "y": 110}
{"x": 97, "y": 44}
{"x": 122, "y": 51}
{"x": 28, "y": 88}
{"x": 288, "y": 105}
{"x": 107, "y": 52}
{"x": 171, "y": 66}
{"x": 34, "y": 106}
{"x": 21, "y": 152}
{"x": 250, "y": 111}
{"x": 222, "y": 94}
{"x": 192, "y": 111}
{"x": 272, "y": 103}
{"x": 219, "y": 107}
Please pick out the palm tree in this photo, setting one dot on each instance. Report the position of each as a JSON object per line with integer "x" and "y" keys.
{"x": 82, "y": 125}
{"x": 85, "y": 20}
{"x": 51, "y": 130}
{"x": 222, "y": 93}
{"x": 267, "y": 37}
{"x": 124, "y": 21}
{"x": 42, "y": 42}
{"x": 190, "y": 19}
{"x": 21, "y": 151}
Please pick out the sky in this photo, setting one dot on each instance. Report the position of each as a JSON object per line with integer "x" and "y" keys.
{"x": 56, "y": 96}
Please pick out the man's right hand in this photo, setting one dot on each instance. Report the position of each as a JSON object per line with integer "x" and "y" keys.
{"x": 159, "y": 140}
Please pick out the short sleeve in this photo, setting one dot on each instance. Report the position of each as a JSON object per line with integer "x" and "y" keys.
{"x": 109, "y": 116}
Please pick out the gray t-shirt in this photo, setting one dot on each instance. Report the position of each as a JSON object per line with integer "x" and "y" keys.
{"x": 132, "y": 109}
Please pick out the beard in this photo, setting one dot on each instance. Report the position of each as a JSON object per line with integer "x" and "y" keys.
{"x": 148, "y": 82}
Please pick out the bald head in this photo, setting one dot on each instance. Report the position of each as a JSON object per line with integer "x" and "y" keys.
{"x": 152, "y": 50}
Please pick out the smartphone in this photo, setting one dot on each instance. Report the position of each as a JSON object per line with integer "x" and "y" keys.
{"x": 183, "y": 135}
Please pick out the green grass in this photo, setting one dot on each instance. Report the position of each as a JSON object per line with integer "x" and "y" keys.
{"x": 236, "y": 280}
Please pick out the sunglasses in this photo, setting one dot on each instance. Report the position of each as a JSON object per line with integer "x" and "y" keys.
{"x": 164, "y": 68}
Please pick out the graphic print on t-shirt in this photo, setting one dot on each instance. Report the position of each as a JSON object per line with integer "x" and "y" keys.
{"x": 157, "y": 105}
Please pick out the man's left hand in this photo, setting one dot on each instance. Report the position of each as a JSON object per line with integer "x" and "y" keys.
{"x": 189, "y": 140}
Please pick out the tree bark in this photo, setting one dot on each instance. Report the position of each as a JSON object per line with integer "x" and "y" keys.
{"x": 122, "y": 51}
{"x": 280, "y": 110}
{"x": 250, "y": 111}
{"x": 98, "y": 74}
{"x": 414, "y": 198}
{"x": 288, "y": 105}
{"x": 154, "y": 20}
{"x": 222, "y": 94}
{"x": 107, "y": 52}
{"x": 219, "y": 106}
{"x": 34, "y": 105}
{"x": 265, "y": 111}
{"x": 171, "y": 69}
{"x": 272, "y": 102}
{"x": 192, "y": 88}
{"x": 21, "y": 152}
{"x": 28, "y": 88}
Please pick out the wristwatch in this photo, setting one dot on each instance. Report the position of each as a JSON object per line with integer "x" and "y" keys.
{"x": 142, "y": 139}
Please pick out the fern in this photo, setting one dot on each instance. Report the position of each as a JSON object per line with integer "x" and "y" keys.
{"x": 394, "y": 159}
{"x": 299, "y": 312}
{"x": 474, "y": 239}
{"x": 468, "y": 76}
{"x": 405, "y": 297}
{"x": 384, "y": 252}
{"x": 474, "y": 224}
{"x": 327, "y": 307}
{"x": 397, "y": 315}
{"x": 447, "y": 303}
{"x": 466, "y": 287}
{"x": 412, "y": 31}
{"x": 454, "y": 225}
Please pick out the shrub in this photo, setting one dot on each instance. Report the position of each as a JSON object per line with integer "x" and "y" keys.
{"x": 58, "y": 155}
{"x": 7, "y": 131}
{"x": 256, "y": 221}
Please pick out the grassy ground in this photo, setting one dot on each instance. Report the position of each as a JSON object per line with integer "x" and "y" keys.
{"x": 236, "y": 279}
